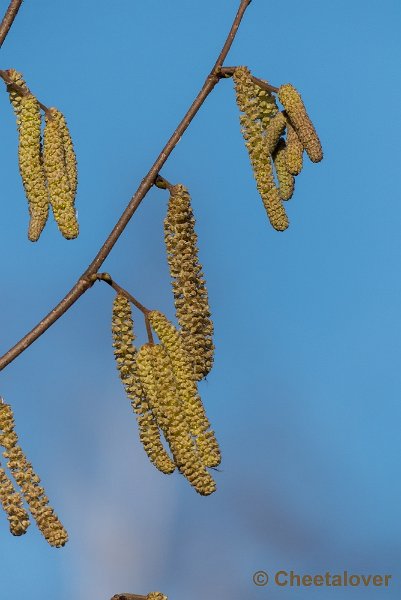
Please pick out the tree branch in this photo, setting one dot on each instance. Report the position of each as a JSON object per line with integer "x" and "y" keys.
{"x": 85, "y": 281}
{"x": 8, "y": 19}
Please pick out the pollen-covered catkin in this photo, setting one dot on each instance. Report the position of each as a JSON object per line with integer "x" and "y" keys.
{"x": 125, "y": 355}
{"x": 156, "y": 596}
{"x": 274, "y": 131}
{"x": 189, "y": 286}
{"x": 296, "y": 111}
{"x": 197, "y": 420}
{"x": 157, "y": 377}
{"x": 60, "y": 193}
{"x": 284, "y": 177}
{"x": 70, "y": 158}
{"x": 253, "y": 133}
{"x": 24, "y": 475}
{"x": 295, "y": 149}
{"x": 12, "y": 505}
{"x": 30, "y": 164}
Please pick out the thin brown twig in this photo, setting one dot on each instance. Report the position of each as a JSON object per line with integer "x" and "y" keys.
{"x": 162, "y": 183}
{"x": 85, "y": 281}
{"x": 8, "y": 19}
{"x": 20, "y": 90}
{"x": 120, "y": 290}
{"x": 229, "y": 72}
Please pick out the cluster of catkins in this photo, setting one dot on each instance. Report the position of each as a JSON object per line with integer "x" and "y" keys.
{"x": 49, "y": 169}
{"x": 28, "y": 482}
{"x": 263, "y": 127}
{"x": 161, "y": 379}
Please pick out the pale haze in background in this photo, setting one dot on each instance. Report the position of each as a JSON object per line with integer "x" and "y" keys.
{"x": 304, "y": 393}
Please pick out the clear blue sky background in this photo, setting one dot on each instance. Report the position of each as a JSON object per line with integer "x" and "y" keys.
{"x": 305, "y": 390}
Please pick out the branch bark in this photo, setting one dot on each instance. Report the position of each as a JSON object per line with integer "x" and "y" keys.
{"x": 8, "y": 19}
{"x": 86, "y": 279}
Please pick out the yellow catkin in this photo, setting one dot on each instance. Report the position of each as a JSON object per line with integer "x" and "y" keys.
{"x": 156, "y": 596}
{"x": 197, "y": 420}
{"x": 70, "y": 158}
{"x": 189, "y": 286}
{"x": 157, "y": 377}
{"x": 274, "y": 131}
{"x": 254, "y": 135}
{"x": 12, "y": 505}
{"x": 284, "y": 177}
{"x": 296, "y": 111}
{"x": 24, "y": 475}
{"x": 125, "y": 355}
{"x": 60, "y": 193}
{"x": 295, "y": 149}
{"x": 30, "y": 164}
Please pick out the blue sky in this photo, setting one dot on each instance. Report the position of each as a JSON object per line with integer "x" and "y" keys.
{"x": 304, "y": 393}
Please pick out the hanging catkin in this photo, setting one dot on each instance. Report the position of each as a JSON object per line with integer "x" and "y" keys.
{"x": 125, "y": 355}
{"x": 274, "y": 131}
{"x": 30, "y": 160}
{"x": 24, "y": 475}
{"x": 158, "y": 379}
{"x": 284, "y": 177}
{"x": 12, "y": 505}
{"x": 156, "y": 596}
{"x": 189, "y": 286}
{"x": 295, "y": 149}
{"x": 70, "y": 159}
{"x": 296, "y": 111}
{"x": 197, "y": 420}
{"x": 253, "y": 133}
{"x": 61, "y": 195}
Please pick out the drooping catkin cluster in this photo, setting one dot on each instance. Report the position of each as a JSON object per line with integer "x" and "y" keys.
{"x": 125, "y": 354}
{"x": 189, "y": 286}
{"x": 254, "y": 134}
{"x": 49, "y": 174}
{"x": 266, "y": 144}
{"x": 159, "y": 380}
{"x": 28, "y": 482}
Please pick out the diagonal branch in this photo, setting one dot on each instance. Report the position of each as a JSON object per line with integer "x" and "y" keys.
{"x": 86, "y": 279}
{"x": 8, "y": 19}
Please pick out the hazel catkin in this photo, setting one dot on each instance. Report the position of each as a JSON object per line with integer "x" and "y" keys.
{"x": 61, "y": 182}
{"x": 189, "y": 286}
{"x": 30, "y": 164}
{"x": 12, "y": 505}
{"x": 125, "y": 355}
{"x": 294, "y": 153}
{"x": 24, "y": 475}
{"x": 254, "y": 136}
{"x": 299, "y": 118}
{"x": 284, "y": 177}
{"x": 274, "y": 131}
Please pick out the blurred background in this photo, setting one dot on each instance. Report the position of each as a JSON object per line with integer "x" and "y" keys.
{"x": 305, "y": 390}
